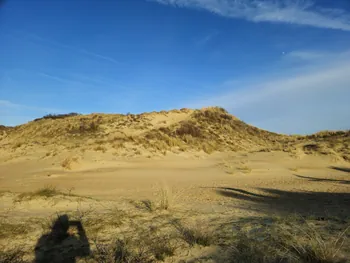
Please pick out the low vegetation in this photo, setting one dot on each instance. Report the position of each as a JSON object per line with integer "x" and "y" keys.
{"x": 292, "y": 240}
{"x": 153, "y": 249}
{"x": 165, "y": 199}
{"x": 10, "y": 229}
{"x": 195, "y": 235}
{"x": 68, "y": 162}
{"x": 100, "y": 148}
{"x": 163, "y": 202}
{"x": 244, "y": 169}
{"x": 57, "y": 116}
{"x": 294, "y": 169}
{"x": 152, "y": 239}
{"x": 12, "y": 256}
{"x": 209, "y": 130}
{"x": 45, "y": 192}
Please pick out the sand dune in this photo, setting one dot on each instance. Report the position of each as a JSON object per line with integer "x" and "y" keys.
{"x": 178, "y": 186}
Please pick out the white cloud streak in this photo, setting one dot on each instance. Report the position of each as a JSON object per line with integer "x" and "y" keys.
{"x": 206, "y": 39}
{"x": 61, "y": 79}
{"x": 315, "y": 98}
{"x": 75, "y": 49}
{"x": 8, "y": 105}
{"x": 299, "y": 12}
{"x": 12, "y": 114}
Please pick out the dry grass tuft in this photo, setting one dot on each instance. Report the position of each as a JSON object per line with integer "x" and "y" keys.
{"x": 45, "y": 192}
{"x": 162, "y": 247}
{"x": 189, "y": 128}
{"x": 314, "y": 248}
{"x": 17, "y": 145}
{"x": 68, "y": 162}
{"x": 120, "y": 252}
{"x": 11, "y": 230}
{"x": 292, "y": 241}
{"x": 294, "y": 169}
{"x": 12, "y": 256}
{"x": 244, "y": 169}
{"x": 147, "y": 250}
{"x": 86, "y": 126}
{"x": 195, "y": 235}
{"x": 57, "y": 116}
{"x": 143, "y": 247}
{"x": 149, "y": 205}
{"x": 165, "y": 199}
{"x": 100, "y": 148}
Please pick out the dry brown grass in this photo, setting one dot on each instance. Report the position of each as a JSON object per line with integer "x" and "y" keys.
{"x": 149, "y": 249}
{"x": 12, "y": 229}
{"x": 165, "y": 199}
{"x": 292, "y": 240}
{"x": 157, "y": 237}
{"x": 100, "y": 148}
{"x": 57, "y": 116}
{"x": 194, "y": 235}
{"x": 294, "y": 169}
{"x": 17, "y": 145}
{"x": 244, "y": 169}
{"x": 45, "y": 192}
{"x": 12, "y": 256}
{"x": 68, "y": 162}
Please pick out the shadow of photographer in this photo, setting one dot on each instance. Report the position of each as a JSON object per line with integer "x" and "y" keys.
{"x": 59, "y": 246}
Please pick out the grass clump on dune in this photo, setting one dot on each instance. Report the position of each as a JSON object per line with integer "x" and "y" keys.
{"x": 10, "y": 230}
{"x": 68, "y": 162}
{"x": 293, "y": 240}
{"x": 12, "y": 256}
{"x": 195, "y": 235}
{"x": 45, "y": 192}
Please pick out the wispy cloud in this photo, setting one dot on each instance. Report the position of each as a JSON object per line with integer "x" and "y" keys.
{"x": 83, "y": 80}
{"x": 98, "y": 56}
{"x": 312, "y": 56}
{"x": 202, "y": 41}
{"x": 60, "y": 79}
{"x": 8, "y": 105}
{"x": 15, "y": 113}
{"x": 312, "y": 99}
{"x": 74, "y": 49}
{"x": 306, "y": 55}
{"x": 300, "y": 12}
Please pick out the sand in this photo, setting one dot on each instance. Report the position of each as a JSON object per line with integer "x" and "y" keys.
{"x": 237, "y": 184}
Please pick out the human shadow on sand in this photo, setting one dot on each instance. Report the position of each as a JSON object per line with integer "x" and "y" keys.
{"x": 320, "y": 204}
{"x": 59, "y": 246}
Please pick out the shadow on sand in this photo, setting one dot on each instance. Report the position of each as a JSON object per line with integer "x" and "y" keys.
{"x": 315, "y": 179}
{"x": 59, "y": 246}
{"x": 321, "y": 204}
{"x": 342, "y": 169}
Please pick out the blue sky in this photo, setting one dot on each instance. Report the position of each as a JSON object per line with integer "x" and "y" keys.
{"x": 280, "y": 65}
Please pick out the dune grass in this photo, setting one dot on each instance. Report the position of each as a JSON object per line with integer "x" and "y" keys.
{"x": 44, "y": 192}
{"x": 195, "y": 235}
{"x": 266, "y": 240}
{"x": 68, "y": 162}
{"x": 12, "y": 229}
{"x": 12, "y": 256}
